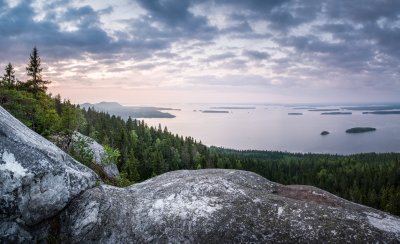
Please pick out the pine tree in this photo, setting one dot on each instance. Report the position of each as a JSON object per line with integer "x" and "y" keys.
{"x": 36, "y": 83}
{"x": 9, "y": 79}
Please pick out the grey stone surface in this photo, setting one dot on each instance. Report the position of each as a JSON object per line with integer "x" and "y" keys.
{"x": 37, "y": 179}
{"x": 221, "y": 206}
{"x": 109, "y": 169}
{"x": 46, "y": 195}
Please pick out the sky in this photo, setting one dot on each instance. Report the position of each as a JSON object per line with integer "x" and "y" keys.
{"x": 225, "y": 51}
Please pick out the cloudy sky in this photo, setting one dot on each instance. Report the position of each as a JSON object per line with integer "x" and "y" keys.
{"x": 160, "y": 51}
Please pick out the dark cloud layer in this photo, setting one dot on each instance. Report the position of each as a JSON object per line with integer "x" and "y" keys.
{"x": 336, "y": 36}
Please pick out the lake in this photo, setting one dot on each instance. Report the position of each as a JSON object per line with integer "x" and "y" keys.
{"x": 271, "y": 128}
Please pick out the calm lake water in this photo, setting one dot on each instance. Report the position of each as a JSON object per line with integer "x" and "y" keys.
{"x": 271, "y": 128}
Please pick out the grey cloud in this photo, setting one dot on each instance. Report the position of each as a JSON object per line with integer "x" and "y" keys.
{"x": 230, "y": 80}
{"x": 22, "y": 32}
{"x": 242, "y": 28}
{"x": 235, "y": 64}
{"x": 255, "y": 55}
{"x": 166, "y": 54}
{"x": 240, "y": 25}
{"x": 362, "y": 11}
{"x": 85, "y": 16}
{"x": 145, "y": 66}
{"x": 348, "y": 36}
{"x": 281, "y": 15}
{"x": 348, "y": 56}
{"x": 175, "y": 17}
{"x": 253, "y": 5}
{"x": 366, "y": 15}
{"x": 219, "y": 57}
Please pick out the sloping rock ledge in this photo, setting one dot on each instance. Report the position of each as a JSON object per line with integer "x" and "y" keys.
{"x": 221, "y": 206}
{"x": 37, "y": 181}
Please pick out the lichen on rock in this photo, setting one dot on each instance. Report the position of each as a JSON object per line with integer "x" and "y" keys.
{"x": 37, "y": 179}
{"x": 45, "y": 195}
{"x": 221, "y": 206}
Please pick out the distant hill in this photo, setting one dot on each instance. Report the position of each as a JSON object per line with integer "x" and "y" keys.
{"x": 117, "y": 109}
{"x": 103, "y": 105}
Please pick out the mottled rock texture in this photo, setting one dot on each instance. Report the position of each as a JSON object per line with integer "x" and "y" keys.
{"x": 37, "y": 179}
{"x": 109, "y": 169}
{"x": 220, "y": 206}
{"x": 45, "y": 195}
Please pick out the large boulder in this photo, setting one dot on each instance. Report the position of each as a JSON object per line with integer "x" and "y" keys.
{"x": 109, "y": 169}
{"x": 220, "y": 206}
{"x": 45, "y": 195}
{"x": 37, "y": 179}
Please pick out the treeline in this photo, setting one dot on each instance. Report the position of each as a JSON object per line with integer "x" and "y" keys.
{"x": 28, "y": 101}
{"x": 142, "y": 152}
{"x": 371, "y": 179}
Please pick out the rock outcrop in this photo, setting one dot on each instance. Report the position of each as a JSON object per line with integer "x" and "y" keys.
{"x": 221, "y": 206}
{"x": 37, "y": 179}
{"x": 46, "y": 195}
{"x": 68, "y": 143}
{"x": 109, "y": 169}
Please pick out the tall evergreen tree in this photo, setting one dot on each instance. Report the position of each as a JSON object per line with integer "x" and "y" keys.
{"x": 8, "y": 78}
{"x": 36, "y": 83}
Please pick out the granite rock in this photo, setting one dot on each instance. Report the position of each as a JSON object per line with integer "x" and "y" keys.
{"x": 221, "y": 206}
{"x": 37, "y": 179}
{"x": 109, "y": 169}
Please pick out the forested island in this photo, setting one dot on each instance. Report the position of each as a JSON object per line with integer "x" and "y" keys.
{"x": 374, "y": 107}
{"x": 383, "y": 112}
{"x": 233, "y": 107}
{"x": 215, "y": 111}
{"x": 302, "y": 108}
{"x": 141, "y": 152}
{"x": 295, "y": 113}
{"x": 324, "y": 133}
{"x": 337, "y": 113}
{"x": 323, "y": 110}
{"x": 360, "y": 130}
{"x": 129, "y": 111}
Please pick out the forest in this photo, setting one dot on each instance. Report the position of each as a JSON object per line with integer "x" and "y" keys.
{"x": 142, "y": 152}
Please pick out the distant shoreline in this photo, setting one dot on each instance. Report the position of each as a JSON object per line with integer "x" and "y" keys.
{"x": 130, "y": 111}
{"x": 215, "y": 111}
{"x": 382, "y": 112}
{"x": 233, "y": 108}
{"x": 324, "y": 110}
{"x": 337, "y": 113}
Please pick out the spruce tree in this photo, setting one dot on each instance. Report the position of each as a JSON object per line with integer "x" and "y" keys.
{"x": 8, "y": 78}
{"x": 36, "y": 83}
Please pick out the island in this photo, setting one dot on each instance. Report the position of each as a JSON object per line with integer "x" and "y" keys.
{"x": 324, "y": 109}
{"x": 129, "y": 111}
{"x": 295, "y": 113}
{"x": 374, "y": 107}
{"x": 383, "y": 112}
{"x": 324, "y": 133}
{"x": 233, "y": 107}
{"x": 360, "y": 130}
{"x": 304, "y": 108}
{"x": 215, "y": 111}
{"x": 337, "y": 113}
